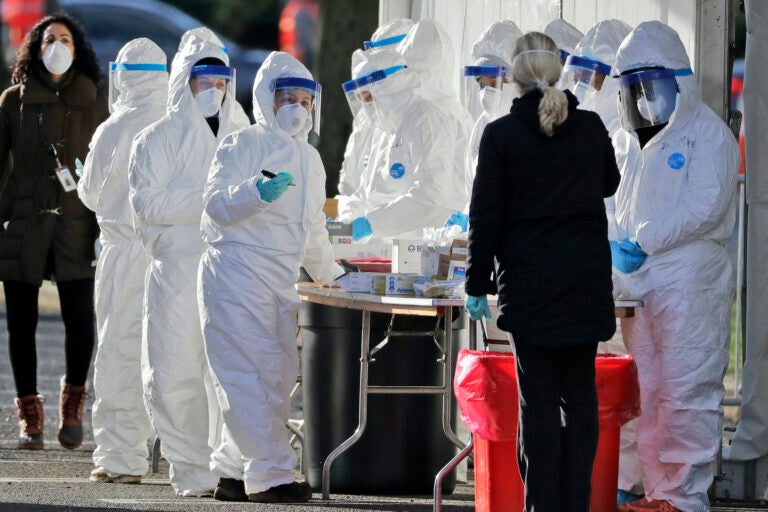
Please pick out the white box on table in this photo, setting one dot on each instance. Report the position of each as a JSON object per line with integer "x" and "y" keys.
{"x": 415, "y": 256}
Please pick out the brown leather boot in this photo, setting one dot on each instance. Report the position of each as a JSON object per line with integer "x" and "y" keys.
{"x": 31, "y": 420}
{"x": 71, "y": 404}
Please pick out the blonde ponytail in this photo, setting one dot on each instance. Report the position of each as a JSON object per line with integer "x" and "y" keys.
{"x": 536, "y": 64}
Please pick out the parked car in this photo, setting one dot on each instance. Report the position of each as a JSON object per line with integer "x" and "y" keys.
{"x": 109, "y": 24}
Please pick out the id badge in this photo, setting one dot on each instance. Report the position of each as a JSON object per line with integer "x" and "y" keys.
{"x": 65, "y": 178}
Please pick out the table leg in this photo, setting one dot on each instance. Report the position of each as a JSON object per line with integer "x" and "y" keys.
{"x": 448, "y": 379}
{"x": 437, "y": 491}
{"x": 362, "y": 416}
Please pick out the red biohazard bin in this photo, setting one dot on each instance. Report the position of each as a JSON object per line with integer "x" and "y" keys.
{"x": 485, "y": 385}
{"x": 618, "y": 401}
{"x": 486, "y": 392}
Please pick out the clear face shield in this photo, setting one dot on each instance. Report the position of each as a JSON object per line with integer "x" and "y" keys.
{"x": 361, "y": 93}
{"x": 296, "y": 99}
{"x": 211, "y": 83}
{"x": 117, "y": 72}
{"x": 647, "y": 97}
{"x": 584, "y": 78}
{"x": 487, "y": 89}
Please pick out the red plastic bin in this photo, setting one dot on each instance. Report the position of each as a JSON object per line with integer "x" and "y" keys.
{"x": 486, "y": 390}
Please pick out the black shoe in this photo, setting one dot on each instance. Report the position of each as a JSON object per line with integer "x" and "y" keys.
{"x": 285, "y": 493}
{"x": 230, "y": 489}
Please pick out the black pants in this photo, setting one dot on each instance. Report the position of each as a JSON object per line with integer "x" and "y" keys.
{"x": 558, "y": 429}
{"x": 76, "y": 300}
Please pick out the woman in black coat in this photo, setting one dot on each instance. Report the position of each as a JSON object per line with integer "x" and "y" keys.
{"x": 538, "y": 234}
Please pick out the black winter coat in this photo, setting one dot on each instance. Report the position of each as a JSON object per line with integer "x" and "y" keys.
{"x": 538, "y": 210}
{"x": 45, "y": 232}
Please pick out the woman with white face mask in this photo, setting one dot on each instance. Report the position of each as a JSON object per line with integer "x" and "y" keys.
{"x": 263, "y": 220}
{"x": 49, "y": 115}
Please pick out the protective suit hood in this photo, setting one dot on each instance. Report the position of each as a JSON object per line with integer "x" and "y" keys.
{"x": 195, "y": 45}
{"x": 140, "y": 87}
{"x": 428, "y": 52}
{"x": 565, "y": 35}
{"x": 654, "y": 44}
{"x": 497, "y": 41}
{"x": 276, "y": 65}
{"x": 602, "y": 41}
{"x": 392, "y": 28}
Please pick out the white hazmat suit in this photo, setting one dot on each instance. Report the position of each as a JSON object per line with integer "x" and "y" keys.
{"x": 677, "y": 198}
{"x": 428, "y": 51}
{"x": 121, "y": 426}
{"x": 357, "y": 151}
{"x": 168, "y": 168}
{"x": 493, "y": 48}
{"x": 247, "y": 276}
{"x": 600, "y": 43}
{"x": 415, "y": 176}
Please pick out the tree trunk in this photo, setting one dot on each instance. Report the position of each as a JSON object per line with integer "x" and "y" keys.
{"x": 343, "y": 26}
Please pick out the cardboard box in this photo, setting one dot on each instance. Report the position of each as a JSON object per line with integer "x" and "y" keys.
{"x": 358, "y": 250}
{"x": 415, "y": 257}
{"x": 459, "y": 249}
{"x": 357, "y": 282}
{"x": 331, "y": 207}
{"x": 394, "y": 284}
{"x": 457, "y": 269}
{"x": 444, "y": 261}
{"x": 339, "y": 228}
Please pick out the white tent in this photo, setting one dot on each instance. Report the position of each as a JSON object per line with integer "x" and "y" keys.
{"x": 707, "y": 30}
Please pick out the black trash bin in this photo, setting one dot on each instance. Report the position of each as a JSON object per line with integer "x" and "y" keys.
{"x": 403, "y": 446}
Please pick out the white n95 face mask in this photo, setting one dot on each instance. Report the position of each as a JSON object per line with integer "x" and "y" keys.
{"x": 292, "y": 119}
{"x": 490, "y": 99}
{"x": 210, "y": 101}
{"x": 57, "y": 58}
{"x": 652, "y": 110}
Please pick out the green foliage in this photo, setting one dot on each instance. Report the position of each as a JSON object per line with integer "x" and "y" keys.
{"x": 251, "y": 24}
{"x": 248, "y": 23}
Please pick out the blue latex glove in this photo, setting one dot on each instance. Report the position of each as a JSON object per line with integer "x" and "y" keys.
{"x": 272, "y": 188}
{"x": 627, "y": 256}
{"x": 460, "y": 219}
{"x": 632, "y": 247}
{"x": 78, "y": 168}
{"x": 361, "y": 228}
{"x": 477, "y": 307}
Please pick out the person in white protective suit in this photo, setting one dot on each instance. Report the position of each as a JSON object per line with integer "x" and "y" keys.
{"x": 168, "y": 168}
{"x": 428, "y": 51}
{"x": 415, "y": 175}
{"x": 488, "y": 88}
{"x": 588, "y": 75}
{"x": 357, "y": 151}
{"x": 138, "y": 85}
{"x": 675, "y": 210}
{"x": 260, "y": 230}
{"x": 565, "y": 36}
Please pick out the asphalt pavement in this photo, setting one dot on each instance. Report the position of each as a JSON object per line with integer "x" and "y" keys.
{"x": 56, "y": 479}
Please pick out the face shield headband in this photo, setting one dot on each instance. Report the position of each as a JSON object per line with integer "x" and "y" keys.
{"x": 367, "y": 45}
{"x": 584, "y": 78}
{"x": 355, "y": 89}
{"x": 289, "y": 86}
{"x": 114, "y": 67}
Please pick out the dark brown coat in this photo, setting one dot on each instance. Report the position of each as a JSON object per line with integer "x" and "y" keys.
{"x": 45, "y": 232}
